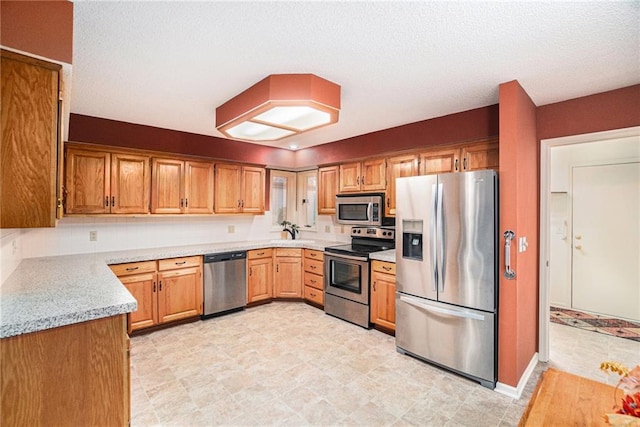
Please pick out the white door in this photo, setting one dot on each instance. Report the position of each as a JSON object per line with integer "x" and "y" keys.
{"x": 606, "y": 239}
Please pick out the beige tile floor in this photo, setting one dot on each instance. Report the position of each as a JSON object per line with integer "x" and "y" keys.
{"x": 290, "y": 364}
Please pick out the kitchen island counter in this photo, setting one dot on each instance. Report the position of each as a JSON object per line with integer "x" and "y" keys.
{"x": 48, "y": 292}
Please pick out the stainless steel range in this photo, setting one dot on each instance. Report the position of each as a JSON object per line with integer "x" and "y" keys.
{"x": 346, "y": 273}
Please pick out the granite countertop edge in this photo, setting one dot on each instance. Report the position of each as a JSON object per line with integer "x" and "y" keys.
{"x": 49, "y": 292}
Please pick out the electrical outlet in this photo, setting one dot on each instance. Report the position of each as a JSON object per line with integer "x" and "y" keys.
{"x": 231, "y": 229}
{"x": 327, "y": 229}
{"x": 93, "y": 236}
{"x": 14, "y": 247}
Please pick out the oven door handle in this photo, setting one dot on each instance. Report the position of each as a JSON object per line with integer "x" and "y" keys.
{"x": 340, "y": 256}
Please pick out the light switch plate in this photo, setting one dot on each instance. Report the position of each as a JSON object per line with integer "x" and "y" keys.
{"x": 93, "y": 236}
{"x": 231, "y": 229}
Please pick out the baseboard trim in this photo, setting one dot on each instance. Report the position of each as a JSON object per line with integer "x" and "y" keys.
{"x": 516, "y": 392}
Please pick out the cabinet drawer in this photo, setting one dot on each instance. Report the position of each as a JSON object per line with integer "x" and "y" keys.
{"x": 384, "y": 267}
{"x": 313, "y": 294}
{"x": 290, "y": 252}
{"x": 313, "y": 280}
{"x": 173, "y": 263}
{"x": 313, "y": 266}
{"x": 133, "y": 268}
{"x": 313, "y": 254}
{"x": 259, "y": 253}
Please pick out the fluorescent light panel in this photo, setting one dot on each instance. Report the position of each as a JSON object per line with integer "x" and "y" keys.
{"x": 300, "y": 118}
{"x": 257, "y": 132}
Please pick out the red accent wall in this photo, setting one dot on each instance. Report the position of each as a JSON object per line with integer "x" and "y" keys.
{"x": 519, "y": 188}
{"x": 615, "y": 109}
{"x": 122, "y": 134}
{"x": 479, "y": 123}
{"x": 44, "y": 28}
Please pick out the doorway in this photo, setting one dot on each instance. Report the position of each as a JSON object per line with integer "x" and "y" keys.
{"x": 619, "y": 146}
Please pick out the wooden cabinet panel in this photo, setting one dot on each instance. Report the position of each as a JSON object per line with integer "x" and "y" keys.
{"x": 29, "y": 143}
{"x": 398, "y": 167}
{"x": 198, "y": 187}
{"x": 288, "y": 277}
{"x": 328, "y": 187}
{"x": 383, "y": 295}
{"x": 350, "y": 175}
{"x": 253, "y": 189}
{"x": 88, "y": 181}
{"x": 313, "y": 294}
{"x": 130, "y": 183}
{"x": 384, "y": 267}
{"x": 260, "y": 253}
{"x": 313, "y": 266}
{"x": 483, "y": 155}
{"x": 184, "y": 262}
{"x": 440, "y": 161}
{"x": 167, "y": 186}
{"x": 179, "y": 294}
{"x": 133, "y": 268}
{"x": 74, "y": 375}
{"x": 288, "y": 252}
{"x": 260, "y": 277}
{"x": 313, "y": 280}
{"x": 314, "y": 254}
{"x": 143, "y": 287}
{"x": 374, "y": 177}
{"x": 228, "y": 183}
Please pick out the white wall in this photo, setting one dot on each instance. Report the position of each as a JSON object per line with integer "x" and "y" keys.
{"x": 563, "y": 158}
{"x": 10, "y": 251}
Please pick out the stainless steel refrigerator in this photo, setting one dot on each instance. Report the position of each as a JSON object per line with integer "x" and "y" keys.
{"x": 446, "y": 278}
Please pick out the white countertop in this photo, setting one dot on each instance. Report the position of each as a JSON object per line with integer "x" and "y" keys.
{"x": 49, "y": 292}
{"x": 389, "y": 256}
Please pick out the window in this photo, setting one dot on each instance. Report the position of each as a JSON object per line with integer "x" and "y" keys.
{"x": 294, "y": 199}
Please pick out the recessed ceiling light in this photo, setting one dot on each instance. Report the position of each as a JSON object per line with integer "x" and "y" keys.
{"x": 293, "y": 146}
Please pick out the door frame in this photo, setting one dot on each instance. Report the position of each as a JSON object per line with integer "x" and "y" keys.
{"x": 545, "y": 221}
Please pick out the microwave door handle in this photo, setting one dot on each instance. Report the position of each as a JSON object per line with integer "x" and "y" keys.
{"x": 369, "y": 212}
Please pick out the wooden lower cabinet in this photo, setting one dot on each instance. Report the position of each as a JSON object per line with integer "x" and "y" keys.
{"x": 383, "y": 294}
{"x": 75, "y": 375}
{"x": 259, "y": 275}
{"x": 166, "y": 290}
{"x": 287, "y": 277}
{"x": 314, "y": 276}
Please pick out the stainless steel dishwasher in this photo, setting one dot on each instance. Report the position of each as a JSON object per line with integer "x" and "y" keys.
{"x": 225, "y": 283}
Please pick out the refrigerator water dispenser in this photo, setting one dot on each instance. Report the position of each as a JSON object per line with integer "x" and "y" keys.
{"x": 412, "y": 239}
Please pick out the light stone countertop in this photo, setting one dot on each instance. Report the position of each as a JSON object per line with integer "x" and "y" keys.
{"x": 389, "y": 256}
{"x": 44, "y": 293}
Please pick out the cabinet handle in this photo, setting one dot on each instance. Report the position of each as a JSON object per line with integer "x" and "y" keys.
{"x": 456, "y": 166}
{"x": 277, "y": 268}
{"x": 186, "y": 203}
{"x": 374, "y": 286}
{"x": 388, "y": 201}
{"x": 238, "y": 203}
{"x": 160, "y": 285}
{"x": 113, "y": 201}
{"x": 362, "y": 180}
{"x": 312, "y": 281}
{"x": 384, "y": 267}
{"x": 154, "y": 287}
{"x": 106, "y": 202}
{"x": 312, "y": 294}
{"x": 358, "y": 181}
{"x": 181, "y": 262}
{"x": 260, "y": 253}
{"x": 313, "y": 254}
{"x": 132, "y": 268}
{"x": 242, "y": 203}
{"x": 464, "y": 163}
{"x": 313, "y": 267}
{"x": 182, "y": 203}
{"x": 250, "y": 271}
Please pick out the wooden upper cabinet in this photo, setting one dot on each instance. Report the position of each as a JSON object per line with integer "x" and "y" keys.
{"x": 328, "y": 187}
{"x": 181, "y": 186}
{"x": 29, "y": 144}
{"x": 88, "y": 181}
{"x": 368, "y": 175}
{"x": 198, "y": 187}
{"x": 130, "y": 183}
{"x": 398, "y": 167}
{"x": 483, "y": 155}
{"x": 443, "y": 160}
{"x": 239, "y": 189}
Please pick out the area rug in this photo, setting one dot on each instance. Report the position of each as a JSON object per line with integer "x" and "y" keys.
{"x": 593, "y": 322}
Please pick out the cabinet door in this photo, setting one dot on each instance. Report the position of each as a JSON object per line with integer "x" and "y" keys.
{"x": 179, "y": 294}
{"x": 198, "y": 187}
{"x": 29, "y": 141}
{"x": 253, "y": 189}
{"x": 328, "y": 187}
{"x": 440, "y": 161}
{"x": 88, "y": 179}
{"x": 167, "y": 194}
{"x": 350, "y": 176}
{"x": 483, "y": 155}
{"x": 383, "y": 300}
{"x": 398, "y": 167}
{"x": 227, "y": 188}
{"x": 130, "y": 183}
{"x": 144, "y": 288}
{"x": 288, "y": 277}
{"x": 374, "y": 176}
{"x": 260, "y": 279}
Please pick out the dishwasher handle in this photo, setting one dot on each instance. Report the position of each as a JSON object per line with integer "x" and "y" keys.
{"x": 226, "y": 256}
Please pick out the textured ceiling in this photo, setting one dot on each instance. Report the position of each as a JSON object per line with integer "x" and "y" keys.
{"x": 170, "y": 64}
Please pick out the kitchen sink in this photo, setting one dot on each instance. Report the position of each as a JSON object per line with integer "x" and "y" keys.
{"x": 300, "y": 241}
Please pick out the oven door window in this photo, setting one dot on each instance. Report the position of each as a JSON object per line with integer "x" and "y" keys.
{"x": 346, "y": 275}
{"x": 353, "y": 211}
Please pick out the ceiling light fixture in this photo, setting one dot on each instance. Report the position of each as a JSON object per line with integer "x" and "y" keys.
{"x": 279, "y": 106}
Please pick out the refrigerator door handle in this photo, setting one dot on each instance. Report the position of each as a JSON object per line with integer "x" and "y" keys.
{"x": 432, "y": 236}
{"x": 440, "y": 310}
{"x": 440, "y": 236}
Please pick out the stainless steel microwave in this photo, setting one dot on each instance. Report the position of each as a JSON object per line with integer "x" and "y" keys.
{"x": 362, "y": 209}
